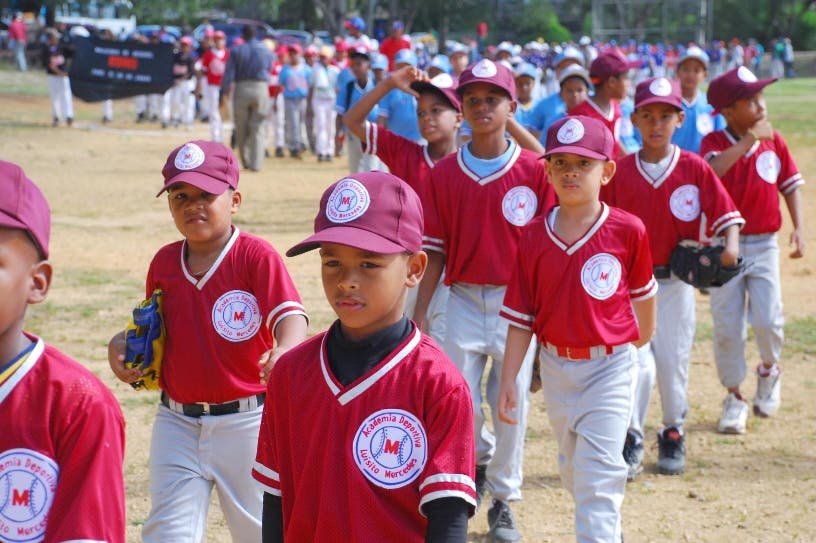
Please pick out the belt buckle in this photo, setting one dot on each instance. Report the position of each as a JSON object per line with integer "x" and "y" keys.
{"x": 205, "y": 408}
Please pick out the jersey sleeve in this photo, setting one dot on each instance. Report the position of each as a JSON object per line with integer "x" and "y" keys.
{"x": 264, "y": 469}
{"x": 710, "y": 147}
{"x": 274, "y": 288}
{"x": 789, "y": 176}
{"x": 517, "y": 307}
{"x": 716, "y": 203}
{"x": 433, "y": 237}
{"x": 642, "y": 284}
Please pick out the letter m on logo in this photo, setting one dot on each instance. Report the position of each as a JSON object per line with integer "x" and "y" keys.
{"x": 238, "y": 316}
{"x": 20, "y": 498}
{"x": 391, "y": 447}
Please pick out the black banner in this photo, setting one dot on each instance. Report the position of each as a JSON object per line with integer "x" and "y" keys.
{"x": 103, "y": 69}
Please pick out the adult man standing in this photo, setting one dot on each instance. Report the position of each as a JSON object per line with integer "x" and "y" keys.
{"x": 19, "y": 41}
{"x": 246, "y": 80}
{"x": 394, "y": 43}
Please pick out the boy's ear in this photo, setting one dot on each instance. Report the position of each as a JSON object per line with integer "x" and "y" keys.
{"x": 40, "y": 281}
{"x": 417, "y": 264}
{"x": 236, "y": 201}
{"x": 513, "y": 107}
{"x": 609, "y": 169}
{"x": 681, "y": 116}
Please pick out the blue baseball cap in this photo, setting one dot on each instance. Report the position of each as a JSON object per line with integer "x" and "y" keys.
{"x": 405, "y": 56}
{"x": 441, "y": 62}
{"x": 695, "y": 53}
{"x": 526, "y": 69}
{"x": 356, "y": 22}
{"x": 379, "y": 62}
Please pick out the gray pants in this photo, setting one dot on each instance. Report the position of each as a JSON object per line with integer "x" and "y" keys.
{"x": 294, "y": 114}
{"x": 251, "y": 108}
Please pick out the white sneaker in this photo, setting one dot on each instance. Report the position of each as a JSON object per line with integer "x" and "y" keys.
{"x": 734, "y": 415}
{"x": 769, "y": 392}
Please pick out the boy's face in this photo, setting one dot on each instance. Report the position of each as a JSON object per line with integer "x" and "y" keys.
{"x": 577, "y": 179}
{"x": 200, "y": 216}
{"x": 367, "y": 290}
{"x": 524, "y": 88}
{"x": 360, "y": 66}
{"x": 745, "y": 112}
{"x": 486, "y": 107}
{"x": 459, "y": 62}
{"x": 437, "y": 119}
{"x": 24, "y": 279}
{"x": 657, "y": 123}
{"x": 690, "y": 74}
{"x": 618, "y": 86}
{"x": 574, "y": 91}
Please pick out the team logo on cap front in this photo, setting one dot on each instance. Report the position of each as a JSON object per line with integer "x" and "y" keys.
{"x": 236, "y": 316}
{"x": 391, "y": 448}
{"x": 746, "y": 75}
{"x": 660, "y": 87}
{"x": 570, "y": 132}
{"x": 28, "y": 482}
{"x": 685, "y": 202}
{"x": 601, "y": 276}
{"x": 348, "y": 201}
{"x": 768, "y": 166}
{"x": 189, "y": 157}
{"x": 519, "y": 205}
{"x": 443, "y": 81}
{"x": 485, "y": 68}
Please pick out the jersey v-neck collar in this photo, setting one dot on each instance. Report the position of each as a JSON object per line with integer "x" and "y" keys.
{"x": 200, "y": 282}
{"x": 580, "y": 242}
{"x": 662, "y": 176}
{"x": 460, "y": 159}
{"x": 31, "y": 359}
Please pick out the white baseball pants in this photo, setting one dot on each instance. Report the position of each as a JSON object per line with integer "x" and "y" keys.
{"x": 62, "y": 101}
{"x": 212, "y": 95}
{"x": 324, "y": 125}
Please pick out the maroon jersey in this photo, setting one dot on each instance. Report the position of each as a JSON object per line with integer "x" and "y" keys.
{"x": 61, "y": 451}
{"x": 220, "y": 324}
{"x": 580, "y": 295}
{"x": 476, "y": 221}
{"x": 756, "y": 179}
{"x": 359, "y": 462}
{"x": 612, "y": 121}
{"x": 685, "y": 201}
{"x": 213, "y": 62}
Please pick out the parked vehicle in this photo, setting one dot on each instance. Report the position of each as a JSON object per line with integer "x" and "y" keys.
{"x": 233, "y": 27}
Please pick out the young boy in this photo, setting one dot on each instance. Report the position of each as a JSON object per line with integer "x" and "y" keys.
{"x": 610, "y": 76}
{"x": 574, "y": 88}
{"x": 230, "y": 310}
{"x": 63, "y": 438}
{"x": 755, "y": 165}
{"x": 392, "y": 455}
{"x": 678, "y": 197}
{"x": 353, "y": 84}
{"x": 295, "y": 78}
{"x": 583, "y": 286}
{"x": 481, "y": 197}
{"x": 700, "y": 119}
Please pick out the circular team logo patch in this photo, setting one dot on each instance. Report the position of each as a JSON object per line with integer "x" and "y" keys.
{"x": 660, "y": 87}
{"x": 236, "y": 316}
{"x": 391, "y": 448}
{"x": 485, "y": 68}
{"x": 348, "y": 201}
{"x": 746, "y": 75}
{"x": 189, "y": 157}
{"x": 685, "y": 202}
{"x": 601, "y": 276}
{"x": 705, "y": 123}
{"x": 28, "y": 482}
{"x": 570, "y": 132}
{"x": 768, "y": 166}
{"x": 519, "y": 205}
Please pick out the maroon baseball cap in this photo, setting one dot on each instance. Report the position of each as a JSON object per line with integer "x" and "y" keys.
{"x": 372, "y": 211}
{"x": 208, "y": 165}
{"x": 609, "y": 64}
{"x": 487, "y": 71}
{"x": 580, "y": 135}
{"x": 23, "y": 206}
{"x": 442, "y": 84}
{"x": 735, "y": 85}
{"x": 658, "y": 90}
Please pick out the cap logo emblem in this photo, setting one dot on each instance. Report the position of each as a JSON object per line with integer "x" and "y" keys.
{"x": 348, "y": 201}
{"x": 485, "y": 68}
{"x": 442, "y": 81}
{"x": 746, "y": 75}
{"x": 660, "y": 87}
{"x": 189, "y": 157}
{"x": 570, "y": 132}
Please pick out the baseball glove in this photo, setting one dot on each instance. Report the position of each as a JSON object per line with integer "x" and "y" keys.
{"x": 144, "y": 342}
{"x": 700, "y": 266}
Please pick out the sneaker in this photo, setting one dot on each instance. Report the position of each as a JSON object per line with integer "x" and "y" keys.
{"x": 633, "y": 456}
{"x": 502, "y": 523}
{"x": 55, "y": 122}
{"x": 734, "y": 415}
{"x": 671, "y": 452}
{"x": 279, "y": 152}
{"x": 769, "y": 393}
{"x": 69, "y": 121}
{"x": 481, "y": 484}
{"x": 141, "y": 117}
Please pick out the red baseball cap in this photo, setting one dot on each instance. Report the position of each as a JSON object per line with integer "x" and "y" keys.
{"x": 341, "y": 45}
{"x": 734, "y": 85}
{"x": 580, "y": 135}
{"x": 295, "y": 48}
{"x": 658, "y": 90}
{"x": 208, "y": 165}
{"x": 609, "y": 64}
{"x": 23, "y": 206}
{"x": 372, "y": 211}
{"x": 443, "y": 84}
{"x": 487, "y": 71}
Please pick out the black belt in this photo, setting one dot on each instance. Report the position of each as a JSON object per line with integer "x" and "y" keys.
{"x": 198, "y": 410}
{"x": 662, "y": 272}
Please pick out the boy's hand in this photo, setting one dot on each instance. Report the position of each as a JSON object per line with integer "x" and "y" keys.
{"x": 116, "y": 359}
{"x": 797, "y": 241}
{"x": 507, "y": 402}
{"x": 729, "y": 257}
{"x": 402, "y": 79}
{"x": 268, "y": 361}
{"x": 763, "y": 130}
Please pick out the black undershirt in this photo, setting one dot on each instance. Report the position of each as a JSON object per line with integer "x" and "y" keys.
{"x": 349, "y": 360}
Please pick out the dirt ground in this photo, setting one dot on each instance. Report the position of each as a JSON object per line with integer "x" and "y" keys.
{"x": 101, "y": 182}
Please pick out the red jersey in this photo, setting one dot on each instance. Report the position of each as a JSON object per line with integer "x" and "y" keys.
{"x": 612, "y": 120}
{"x": 218, "y": 325}
{"x": 686, "y": 201}
{"x": 275, "y": 88}
{"x": 61, "y": 453}
{"x": 476, "y": 221}
{"x": 390, "y": 46}
{"x": 757, "y": 178}
{"x": 213, "y": 63}
{"x": 358, "y": 463}
{"x": 580, "y": 295}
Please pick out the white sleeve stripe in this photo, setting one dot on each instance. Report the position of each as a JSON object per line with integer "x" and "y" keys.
{"x": 648, "y": 286}
{"x": 268, "y": 489}
{"x": 265, "y": 471}
{"x": 739, "y": 221}
{"x": 517, "y": 324}
{"x": 434, "y": 248}
{"x": 429, "y": 239}
{"x": 448, "y": 478}
{"x": 446, "y": 494}
{"x": 284, "y": 310}
{"x": 729, "y": 217}
{"x": 646, "y": 295}
{"x": 516, "y": 314}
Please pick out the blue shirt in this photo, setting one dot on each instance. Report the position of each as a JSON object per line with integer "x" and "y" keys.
{"x": 349, "y": 91}
{"x": 545, "y": 113}
{"x": 400, "y": 108}
{"x": 523, "y": 114}
{"x": 295, "y": 80}
{"x": 250, "y": 61}
{"x": 630, "y": 137}
{"x": 487, "y": 166}
{"x": 699, "y": 121}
